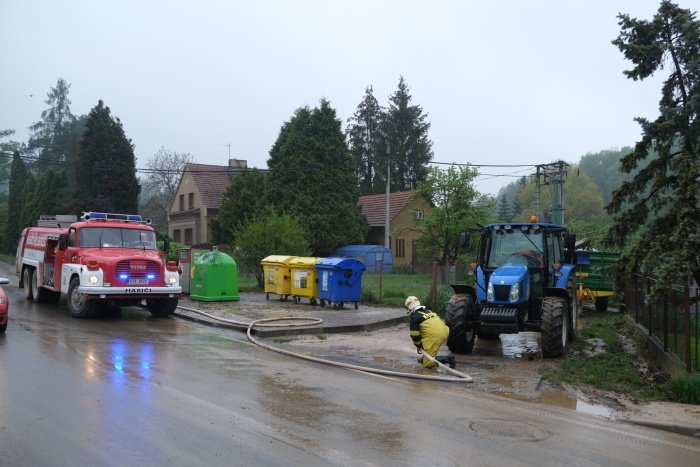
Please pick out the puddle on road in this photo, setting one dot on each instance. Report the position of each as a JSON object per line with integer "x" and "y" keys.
{"x": 558, "y": 398}
{"x": 527, "y": 345}
{"x": 521, "y": 345}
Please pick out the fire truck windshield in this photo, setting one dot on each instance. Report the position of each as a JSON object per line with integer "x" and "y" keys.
{"x": 114, "y": 237}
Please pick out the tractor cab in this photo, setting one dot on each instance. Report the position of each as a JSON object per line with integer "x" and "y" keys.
{"x": 522, "y": 270}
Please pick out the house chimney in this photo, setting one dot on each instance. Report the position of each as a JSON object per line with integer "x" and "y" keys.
{"x": 237, "y": 164}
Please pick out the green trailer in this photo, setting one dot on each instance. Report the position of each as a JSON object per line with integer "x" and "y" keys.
{"x": 594, "y": 276}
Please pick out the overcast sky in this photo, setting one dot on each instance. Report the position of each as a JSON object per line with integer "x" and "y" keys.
{"x": 502, "y": 82}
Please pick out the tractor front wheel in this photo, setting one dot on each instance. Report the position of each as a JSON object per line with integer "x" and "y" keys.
{"x": 554, "y": 332}
{"x": 461, "y": 338}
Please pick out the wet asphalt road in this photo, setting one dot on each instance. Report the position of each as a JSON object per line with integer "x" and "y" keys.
{"x": 131, "y": 390}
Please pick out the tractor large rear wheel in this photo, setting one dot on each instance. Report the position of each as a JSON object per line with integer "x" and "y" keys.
{"x": 554, "y": 332}
{"x": 461, "y": 338}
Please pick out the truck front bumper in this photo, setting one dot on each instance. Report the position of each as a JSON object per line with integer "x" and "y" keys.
{"x": 129, "y": 292}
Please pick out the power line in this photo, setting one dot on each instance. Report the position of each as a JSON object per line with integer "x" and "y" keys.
{"x": 145, "y": 170}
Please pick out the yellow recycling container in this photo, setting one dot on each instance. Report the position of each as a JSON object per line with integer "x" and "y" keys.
{"x": 304, "y": 278}
{"x": 277, "y": 275}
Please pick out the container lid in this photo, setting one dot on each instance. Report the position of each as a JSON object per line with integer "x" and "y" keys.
{"x": 341, "y": 263}
{"x": 215, "y": 257}
{"x": 278, "y": 259}
{"x": 304, "y": 261}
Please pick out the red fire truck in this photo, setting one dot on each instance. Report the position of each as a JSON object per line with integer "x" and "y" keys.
{"x": 101, "y": 260}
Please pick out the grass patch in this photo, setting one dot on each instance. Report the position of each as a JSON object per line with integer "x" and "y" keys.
{"x": 9, "y": 259}
{"x": 322, "y": 337}
{"x": 612, "y": 370}
{"x": 686, "y": 389}
{"x": 397, "y": 286}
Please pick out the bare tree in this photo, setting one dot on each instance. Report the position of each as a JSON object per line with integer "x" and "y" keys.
{"x": 163, "y": 172}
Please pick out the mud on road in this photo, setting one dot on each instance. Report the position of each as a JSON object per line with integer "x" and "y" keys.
{"x": 509, "y": 367}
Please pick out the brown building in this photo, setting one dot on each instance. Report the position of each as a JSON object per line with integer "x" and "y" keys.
{"x": 406, "y": 207}
{"x": 198, "y": 199}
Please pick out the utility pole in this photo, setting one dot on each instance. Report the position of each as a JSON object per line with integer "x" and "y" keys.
{"x": 387, "y": 241}
{"x": 537, "y": 193}
{"x": 554, "y": 175}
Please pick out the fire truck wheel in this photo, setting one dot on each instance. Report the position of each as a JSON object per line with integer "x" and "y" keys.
{"x": 40, "y": 295}
{"x": 77, "y": 305}
{"x": 27, "y": 277}
{"x": 161, "y": 306}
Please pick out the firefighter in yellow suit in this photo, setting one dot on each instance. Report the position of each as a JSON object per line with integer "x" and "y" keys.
{"x": 428, "y": 332}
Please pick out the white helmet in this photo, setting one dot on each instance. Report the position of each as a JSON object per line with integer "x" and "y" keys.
{"x": 412, "y": 304}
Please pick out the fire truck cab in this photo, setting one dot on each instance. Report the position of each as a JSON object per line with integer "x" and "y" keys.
{"x": 101, "y": 260}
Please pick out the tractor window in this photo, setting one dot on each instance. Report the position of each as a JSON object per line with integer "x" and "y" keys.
{"x": 515, "y": 246}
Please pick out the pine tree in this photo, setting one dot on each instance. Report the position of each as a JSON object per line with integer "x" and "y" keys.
{"x": 243, "y": 199}
{"x": 51, "y": 141}
{"x": 51, "y": 195}
{"x": 405, "y": 130}
{"x": 13, "y": 226}
{"x": 365, "y": 141}
{"x": 29, "y": 214}
{"x": 312, "y": 178}
{"x": 106, "y": 169}
{"x": 504, "y": 210}
{"x": 659, "y": 206}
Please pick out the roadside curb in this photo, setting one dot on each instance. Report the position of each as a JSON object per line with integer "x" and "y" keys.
{"x": 689, "y": 430}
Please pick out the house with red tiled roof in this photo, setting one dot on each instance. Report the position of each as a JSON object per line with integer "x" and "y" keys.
{"x": 405, "y": 208}
{"x": 198, "y": 199}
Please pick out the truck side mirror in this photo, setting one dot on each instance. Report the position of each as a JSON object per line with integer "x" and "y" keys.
{"x": 464, "y": 239}
{"x": 62, "y": 242}
{"x": 166, "y": 246}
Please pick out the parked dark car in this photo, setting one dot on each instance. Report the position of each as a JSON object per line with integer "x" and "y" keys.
{"x": 4, "y": 306}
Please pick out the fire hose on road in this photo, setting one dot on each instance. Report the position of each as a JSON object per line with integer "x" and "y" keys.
{"x": 302, "y": 321}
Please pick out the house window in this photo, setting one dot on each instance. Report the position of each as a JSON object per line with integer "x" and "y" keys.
{"x": 190, "y": 201}
{"x": 188, "y": 236}
{"x": 400, "y": 248}
{"x": 182, "y": 202}
{"x": 176, "y": 235}
{"x": 418, "y": 214}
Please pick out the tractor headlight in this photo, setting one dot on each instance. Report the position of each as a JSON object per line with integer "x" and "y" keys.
{"x": 489, "y": 292}
{"x": 172, "y": 280}
{"x": 515, "y": 292}
{"x": 93, "y": 279}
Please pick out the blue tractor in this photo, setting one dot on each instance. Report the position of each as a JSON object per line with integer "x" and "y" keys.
{"x": 524, "y": 281}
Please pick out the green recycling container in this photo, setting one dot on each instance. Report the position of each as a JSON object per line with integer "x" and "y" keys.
{"x": 214, "y": 278}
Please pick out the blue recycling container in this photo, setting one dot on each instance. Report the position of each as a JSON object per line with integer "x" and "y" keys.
{"x": 339, "y": 281}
